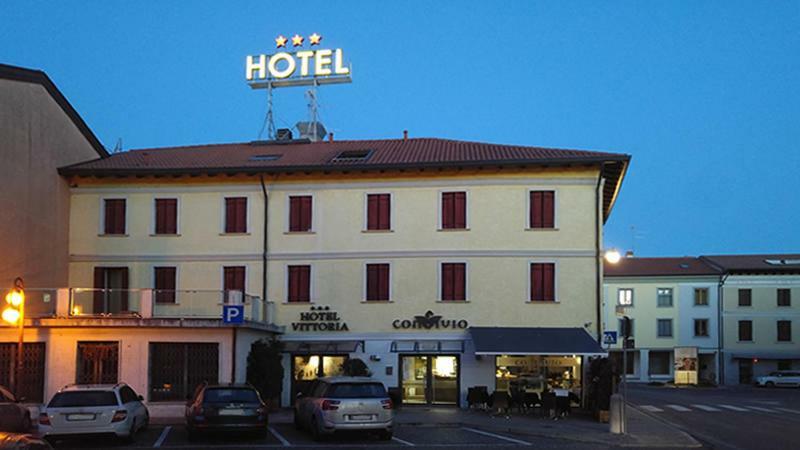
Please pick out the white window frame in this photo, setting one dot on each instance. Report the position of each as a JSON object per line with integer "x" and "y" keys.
{"x": 466, "y": 209}
{"x": 366, "y": 212}
{"x": 671, "y": 297}
{"x": 708, "y": 327}
{"x": 633, "y": 327}
{"x": 671, "y": 328}
{"x": 177, "y": 281}
{"x": 529, "y": 283}
{"x": 223, "y": 213}
{"x": 222, "y": 279}
{"x": 439, "y": 279}
{"x": 619, "y": 291}
{"x": 364, "y": 284}
{"x": 102, "y": 224}
{"x": 528, "y": 209}
{"x": 177, "y": 215}
{"x": 708, "y": 297}
{"x": 288, "y": 209}
{"x": 312, "y": 290}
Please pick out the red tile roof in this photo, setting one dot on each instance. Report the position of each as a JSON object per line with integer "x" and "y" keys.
{"x": 640, "y": 267}
{"x": 768, "y": 263}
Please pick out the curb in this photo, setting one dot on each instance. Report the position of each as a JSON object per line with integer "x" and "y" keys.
{"x": 696, "y": 443}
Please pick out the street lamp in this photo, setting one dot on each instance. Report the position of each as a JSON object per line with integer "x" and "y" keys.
{"x": 14, "y": 314}
{"x": 613, "y": 256}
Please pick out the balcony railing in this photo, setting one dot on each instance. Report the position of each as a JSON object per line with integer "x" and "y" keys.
{"x": 40, "y": 302}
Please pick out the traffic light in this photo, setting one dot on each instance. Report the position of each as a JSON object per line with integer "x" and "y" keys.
{"x": 16, "y": 301}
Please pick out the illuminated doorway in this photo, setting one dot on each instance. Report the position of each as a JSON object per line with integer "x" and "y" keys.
{"x": 307, "y": 368}
{"x": 429, "y": 379}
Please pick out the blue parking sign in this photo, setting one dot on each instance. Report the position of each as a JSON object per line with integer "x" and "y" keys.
{"x": 233, "y": 313}
{"x": 609, "y": 337}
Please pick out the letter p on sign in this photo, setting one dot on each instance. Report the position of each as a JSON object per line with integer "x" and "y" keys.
{"x": 233, "y": 313}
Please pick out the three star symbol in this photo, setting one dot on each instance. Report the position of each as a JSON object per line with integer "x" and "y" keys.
{"x": 297, "y": 40}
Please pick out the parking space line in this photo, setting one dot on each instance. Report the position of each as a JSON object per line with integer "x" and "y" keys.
{"x": 788, "y": 410}
{"x": 505, "y": 438}
{"x": 410, "y": 444}
{"x": 733, "y": 408}
{"x": 651, "y": 408}
{"x": 758, "y": 408}
{"x": 706, "y": 408}
{"x": 278, "y": 436}
{"x": 163, "y": 436}
{"x": 679, "y": 408}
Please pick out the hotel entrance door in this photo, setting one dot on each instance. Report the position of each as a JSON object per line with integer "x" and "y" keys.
{"x": 429, "y": 379}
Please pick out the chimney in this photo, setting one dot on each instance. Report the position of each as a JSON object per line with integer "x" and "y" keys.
{"x": 629, "y": 254}
{"x": 311, "y": 130}
{"x": 330, "y": 137}
{"x": 284, "y": 134}
{"x": 405, "y": 135}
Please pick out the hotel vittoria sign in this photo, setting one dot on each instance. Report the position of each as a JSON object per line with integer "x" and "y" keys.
{"x": 320, "y": 318}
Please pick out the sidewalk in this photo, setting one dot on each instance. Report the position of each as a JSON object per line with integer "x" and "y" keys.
{"x": 644, "y": 431}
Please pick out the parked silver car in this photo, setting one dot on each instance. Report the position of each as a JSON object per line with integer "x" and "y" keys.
{"x": 344, "y": 403}
{"x": 786, "y": 378}
{"x": 14, "y": 416}
{"x": 94, "y": 409}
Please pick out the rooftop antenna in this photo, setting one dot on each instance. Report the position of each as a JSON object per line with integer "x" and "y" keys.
{"x": 269, "y": 121}
{"x": 313, "y": 110}
{"x": 117, "y": 146}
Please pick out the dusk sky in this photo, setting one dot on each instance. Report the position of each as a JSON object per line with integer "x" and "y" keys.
{"x": 704, "y": 95}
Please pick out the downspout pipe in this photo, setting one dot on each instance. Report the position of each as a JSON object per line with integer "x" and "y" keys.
{"x": 264, "y": 249}
{"x": 598, "y": 253}
{"x": 720, "y": 329}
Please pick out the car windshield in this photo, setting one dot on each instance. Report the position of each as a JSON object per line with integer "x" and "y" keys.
{"x": 230, "y": 395}
{"x": 83, "y": 398}
{"x": 356, "y": 390}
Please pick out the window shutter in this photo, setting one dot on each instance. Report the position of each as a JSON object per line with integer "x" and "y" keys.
{"x": 306, "y": 214}
{"x": 542, "y": 209}
{"x": 460, "y": 220}
{"x": 119, "y": 217}
{"x": 537, "y": 285}
{"x": 459, "y": 281}
{"x": 536, "y": 208}
{"x": 448, "y": 208}
{"x": 372, "y": 282}
{"x": 299, "y": 283}
{"x": 172, "y": 216}
{"x": 99, "y": 283}
{"x": 384, "y": 212}
{"x": 293, "y": 280}
{"x": 230, "y": 214}
{"x": 305, "y": 283}
{"x": 372, "y": 212}
{"x": 447, "y": 282}
{"x": 548, "y": 209}
{"x": 548, "y": 276}
{"x": 383, "y": 282}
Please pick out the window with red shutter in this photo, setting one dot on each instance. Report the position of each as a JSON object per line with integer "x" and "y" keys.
{"x": 236, "y": 215}
{"x": 454, "y": 281}
{"x": 543, "y": 277}
{"x": 164, "y": 284}
{"x": 300, "y": 213}
{"x": 542, "y": 209}
{"x": 114, "y": 216}
{"x": 454, "y": 210}
{"x": 299, "y": 284}
{"x": 233, "y": 279}
{"x": 377, "y": 282}
{"x": 166, "y": 216}
{"x": 379, "y": 212}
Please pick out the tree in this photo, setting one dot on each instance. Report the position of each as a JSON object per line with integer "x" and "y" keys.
{"x": 265, "y": 369}
{"x": 354, "y": 367}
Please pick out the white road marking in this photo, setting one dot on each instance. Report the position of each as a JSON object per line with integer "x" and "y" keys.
{"x": 505, "y": 438}
{"x": 650, "y": 408}
{"x": 278, "y": 436}
{"x": 410, "y": 444}
{"x": 733, "y": 408}
{"x": 706, "y": 408}
{"x": 788, "y": 410}
{"x": 163, "y": 436}
{"x": 758, "y": 408}
{"x": 679, "y": 408}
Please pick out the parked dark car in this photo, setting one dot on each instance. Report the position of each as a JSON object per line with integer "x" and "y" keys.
{"x": 23, "y": 442}
{"x": 226, "y": 407}
{"x": 14, "y": 416}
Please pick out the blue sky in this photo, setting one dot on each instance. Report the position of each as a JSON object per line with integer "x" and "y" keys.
{"x": 703, "y": 94}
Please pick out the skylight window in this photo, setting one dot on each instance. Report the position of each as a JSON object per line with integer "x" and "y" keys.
{"x": 265, "y": 157}
{"x": 783, "y": 262}
{"x": 352, "y": 156}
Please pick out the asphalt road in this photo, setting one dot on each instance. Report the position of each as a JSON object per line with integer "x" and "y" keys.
{"x": 734, "y": 418}
{"x": 284, "y": 435}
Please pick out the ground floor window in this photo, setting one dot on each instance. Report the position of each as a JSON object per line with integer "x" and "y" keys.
{"x": 98, "y": 363}
{"x": 784, "y": 364}
{"x": 429, "y": 379}
{"x": 33, "y": 356}
{"x": 659, "y": 363}
{"x": 538, "y": 373}
{"x": 177, "y": 368}
{"x": 307, "y": 368}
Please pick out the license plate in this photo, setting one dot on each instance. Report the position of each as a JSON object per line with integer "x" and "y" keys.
{"x": 79, "y": 417}
{"x": 361, "y": 417}
{"x": 231, "y": 412}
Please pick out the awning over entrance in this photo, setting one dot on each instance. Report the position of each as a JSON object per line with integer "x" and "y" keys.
{"x": 765, "y": 355}
{"x": 317, "y": 347}
{"x": 533, "y": 341}
{"x": 427, "y": 347}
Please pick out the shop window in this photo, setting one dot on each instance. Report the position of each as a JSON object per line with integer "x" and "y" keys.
{"x": 542, "y": 209}
{"x": 164, "y": 284}
{"x": 176, "y": 369}
{"x": 659, "y": 363}
{"x": 784, "y": 364}
{"x": 33, "y": 359}
{"x": 538, "y": 373}
{"x": 745, "y": 330}
{"x": 377, "y": 282}
{"x": 664, "y": 297}
{"x": 745, "y": 297}
{"x": 236, "y": 215}
{"x": 701, "y": 297}
{"x": 784, "y": 331}
{"x": 299, "y": 284}
{"x": 625, "y": 297}
{"x": 664, "y": 327}
{"x": 166, "y": 216}
{"x": 784, "y": 297}
{"x": 454, "y": 281}
{"x": 701, "y": 327}
{"x": 98, "y": 363}
{"x": 307, "y": 368}
{"x": 543, "y": 282}
{"x": 379, "y": 212}
{"x": 454, "y": 210}
{"x": 300, "y": 213}
{"x": 114, "y": 216}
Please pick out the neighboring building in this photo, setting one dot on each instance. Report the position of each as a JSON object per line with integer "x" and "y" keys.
{"x": 442, "y": 264}
{"x": 761, "y": 314}
{"x": 672, "y": 303}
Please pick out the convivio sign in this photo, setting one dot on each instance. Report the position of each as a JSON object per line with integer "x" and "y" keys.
{"x": 319, "y": 318}
{"x": 430, "y": 321}
{"x": 297, "y": 68}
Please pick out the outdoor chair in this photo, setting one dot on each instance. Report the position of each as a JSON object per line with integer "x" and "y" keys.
{"x": 500, "y": 402}
{"x": 518, "y": 401}
{"x": 548, "y": 404}
{"x": 532, "y": 401}
{"x": 478, "y": 397}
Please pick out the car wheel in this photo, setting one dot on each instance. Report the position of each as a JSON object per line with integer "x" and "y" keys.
{"x": 385, "y": 435}
{"x": 769, "y": 384}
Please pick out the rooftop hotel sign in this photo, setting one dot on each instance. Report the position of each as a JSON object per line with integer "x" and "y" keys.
{"x": 299, "y": 67}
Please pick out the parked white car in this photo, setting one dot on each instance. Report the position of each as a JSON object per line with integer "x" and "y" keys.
{"x": 787, "y": 378}
{"x": 112, "y": 409}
